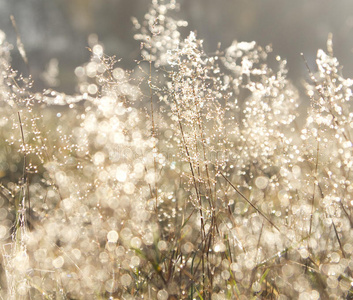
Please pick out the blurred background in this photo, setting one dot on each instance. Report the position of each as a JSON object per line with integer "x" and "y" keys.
{"x": 59, "y": 29}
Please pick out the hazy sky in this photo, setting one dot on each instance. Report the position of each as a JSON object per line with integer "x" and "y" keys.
{"x": 60, "y": 28}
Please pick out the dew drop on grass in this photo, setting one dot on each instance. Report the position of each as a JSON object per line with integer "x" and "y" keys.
{"x": 187, "y": 247}
{"x": 112, "y": 236}
{"x": 162, "y": 295}
{"x": 249, "y": 264}
{"x": 92, "y": 89}
{"x": 110, "y": 286}
{"x": 335, "y": 257}
{"x": 261, "y": 182}
{"x": 126, "y": 233}
{"x": 235, "y": 267}
{"x": 103, "y": 257}
{"x": 148, "y": 238}
{"x": 256, "y": 287}
{"x": 135, "y": 261}
{"x": 98, "y": 158}
{"x": 287, "y": 270}
{"x": 58, "y": 262}
{"x": 121, "y": 175}
{"x": 76, "y": 252}
{"x": 225, "y": 274}
{"x": 129, "y": 188}
{"x": 162, "y": 245}
{"x": 136, "y": 242}
{"x": 348, "y": 248}
{"x": 98, "y": 50}
{"x": 118, "y": 74}
{"x": 219, "y": 247}
{"x": 315, "y": 295}
{"x": 125, "y": 280}
{"x": 120, "y": 251}
{"x": 80, "y": 72}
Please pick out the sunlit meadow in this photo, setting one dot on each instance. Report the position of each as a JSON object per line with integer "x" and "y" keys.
{"x": 188, "y": 177}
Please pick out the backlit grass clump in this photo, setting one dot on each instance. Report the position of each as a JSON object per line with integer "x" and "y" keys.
{"x": 185, "y": 178}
